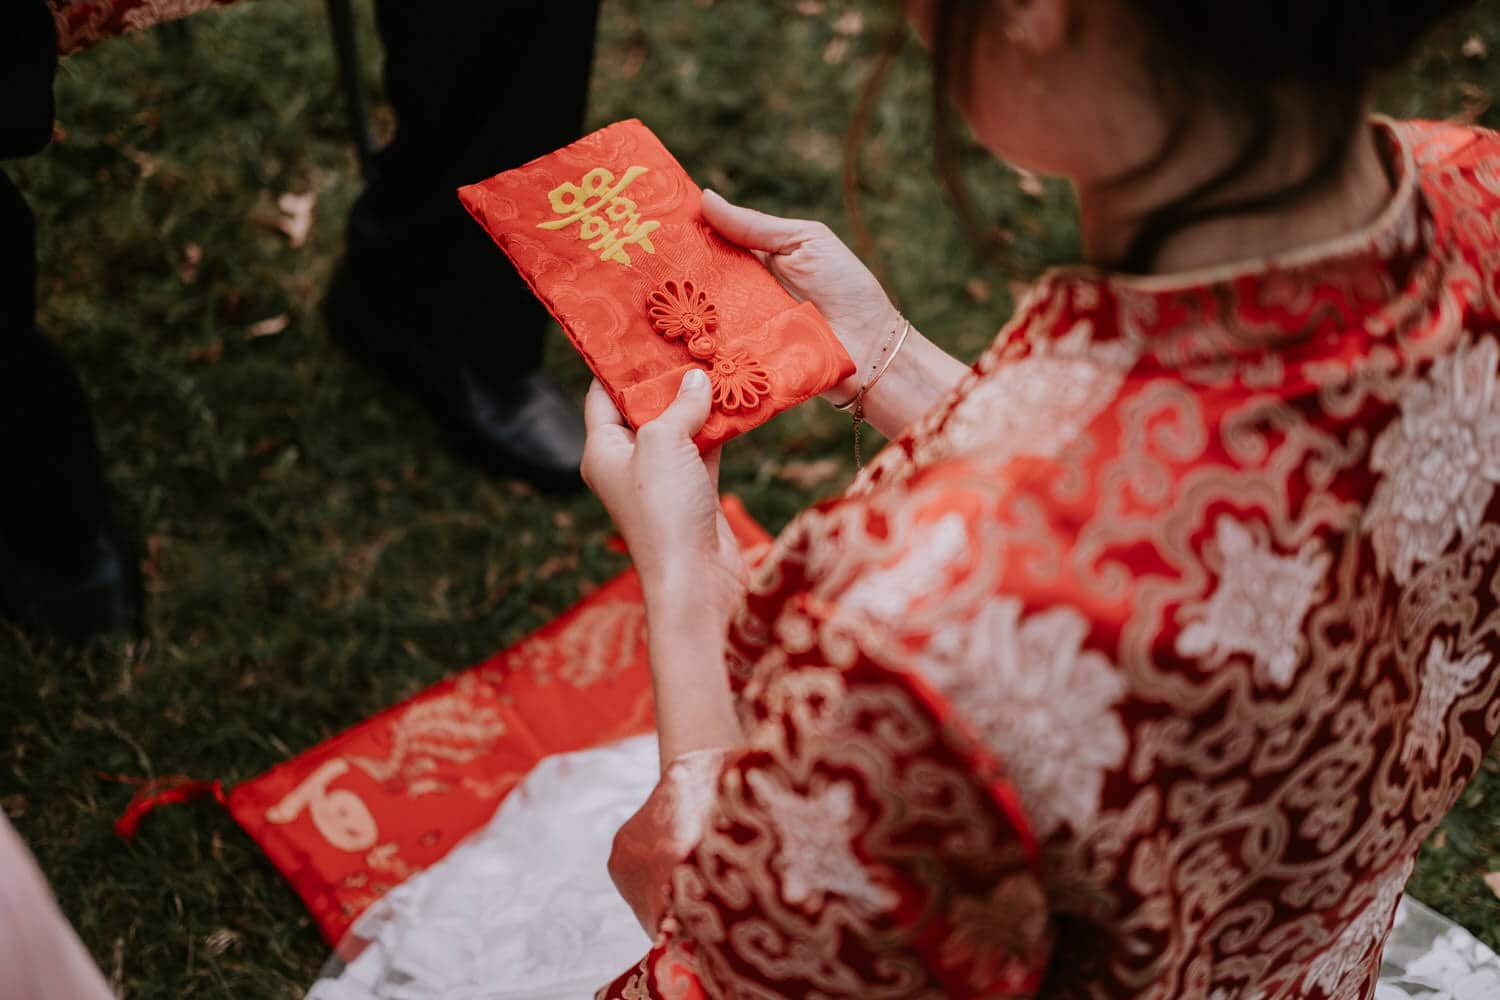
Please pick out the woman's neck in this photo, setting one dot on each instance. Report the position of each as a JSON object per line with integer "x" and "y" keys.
{"x": 1112, "y": 214}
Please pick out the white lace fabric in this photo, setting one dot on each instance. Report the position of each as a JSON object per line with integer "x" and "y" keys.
{"x": 522, "y": 910}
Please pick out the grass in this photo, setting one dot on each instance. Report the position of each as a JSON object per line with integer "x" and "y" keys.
{"x": 312, "y": 553}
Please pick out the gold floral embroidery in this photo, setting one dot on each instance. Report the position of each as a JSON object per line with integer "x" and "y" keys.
{"x": 1259, "y": 605}
{"x": 1448, "y": 676}
{"x": 602, "y": 645}
{"x": 456, "y": 727}
{"x": 1441, "y": 460}
{"x": 608, "y": 221}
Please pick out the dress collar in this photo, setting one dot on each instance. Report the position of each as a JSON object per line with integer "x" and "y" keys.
{"x": 1244, "y": 310}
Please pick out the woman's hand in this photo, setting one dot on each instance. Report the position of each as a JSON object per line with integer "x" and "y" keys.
{"x": 815, "y": 266}
{"x": 663, "y": 496}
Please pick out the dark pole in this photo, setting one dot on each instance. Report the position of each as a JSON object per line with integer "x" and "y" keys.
{"x": 342, "y": 16}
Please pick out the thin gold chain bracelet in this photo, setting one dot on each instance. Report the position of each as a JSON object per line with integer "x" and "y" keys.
{"x": 878, "y": 367}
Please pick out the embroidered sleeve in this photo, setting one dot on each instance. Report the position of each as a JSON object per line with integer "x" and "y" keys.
{"x": 861, "y": 846}
{"x": 662, "y": 832}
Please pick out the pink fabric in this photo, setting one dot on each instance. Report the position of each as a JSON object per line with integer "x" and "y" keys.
{"x": 41, "y": 957}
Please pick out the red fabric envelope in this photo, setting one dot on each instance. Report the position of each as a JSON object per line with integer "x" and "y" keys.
{"x": 609, "y": 234}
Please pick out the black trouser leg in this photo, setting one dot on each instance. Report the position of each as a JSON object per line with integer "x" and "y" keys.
{"x": 53, "y": 501}
{"x": 481, "y": 87}
{"x": 53, "y": 504}
{"x": 59, "y": 563}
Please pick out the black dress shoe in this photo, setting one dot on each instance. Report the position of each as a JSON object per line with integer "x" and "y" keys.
{"x": 522, "y": 426}
{"x": 74, "y": 606}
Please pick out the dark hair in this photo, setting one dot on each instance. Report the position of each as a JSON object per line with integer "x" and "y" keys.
{"x": 1238, "y": 53}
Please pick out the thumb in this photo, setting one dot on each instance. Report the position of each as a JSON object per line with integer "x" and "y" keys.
{"x": 751, "y": 229}
{"x": 686, "y": 414}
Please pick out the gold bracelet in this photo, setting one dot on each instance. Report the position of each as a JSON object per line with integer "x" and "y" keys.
{"x": 898, "y": 336}
{"x": 890, "y": 359}
{"x": 857, "y": 404}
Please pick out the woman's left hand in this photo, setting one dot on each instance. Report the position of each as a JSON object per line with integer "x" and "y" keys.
{"x": 663, "y": 496}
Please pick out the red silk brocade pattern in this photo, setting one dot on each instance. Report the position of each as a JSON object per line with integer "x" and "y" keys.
{"x": 1200, "y": 566}
{"x": 82, "y": 23}
{"x": 608, "y": 232}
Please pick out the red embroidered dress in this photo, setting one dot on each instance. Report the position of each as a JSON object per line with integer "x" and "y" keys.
{"x": 1143, "y": 664}
{"x": 82, "y": 23}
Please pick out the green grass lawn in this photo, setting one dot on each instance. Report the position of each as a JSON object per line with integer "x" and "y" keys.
{"x": 311, "y": 552}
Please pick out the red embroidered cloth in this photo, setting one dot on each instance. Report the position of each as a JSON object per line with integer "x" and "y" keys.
{"x": 608, "y": 233}
{"x": 1207, "y": 562}
{"x": 355, "y": 816}
{"x": 81, "y": 23}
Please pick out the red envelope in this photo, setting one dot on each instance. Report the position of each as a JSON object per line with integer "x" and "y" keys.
{"x": 609, "y": 234}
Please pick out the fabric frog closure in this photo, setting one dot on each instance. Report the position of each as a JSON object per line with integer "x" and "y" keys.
{"x": 681, "y": 311}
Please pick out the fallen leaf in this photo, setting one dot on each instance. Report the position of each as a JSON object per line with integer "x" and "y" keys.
{"x": 633, "y": 60}
{"x": 1476, "y": 48}
{"x": 1476, "y": 103}
{"x": 849, "y": 23}
{"x": 208, "y": 354}
{"x": 152, "y": 577}
{"x": 818, "y": 148}
{"x": 810, "y": 474}
{"x": 837, "y": 50}
{"x": 220, "y": 941}
{"x": 979, "y": 290}
{"x": 268, "y": 327}
{"x": 192, "y": 256}
{"x": 1493, "y": 881}
{"x": 440, "y": 588}
{"x": 296, "y": 216}
{"x": 144, "y": 162}
{"x": 809, "y": 8}
{"x": 557, "y": 564}
{"x": 1439, "y": 840}
{"x": 1031, "y": 184}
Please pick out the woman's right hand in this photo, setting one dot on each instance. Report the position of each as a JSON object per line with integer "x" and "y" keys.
{"x": 815, "y": 266}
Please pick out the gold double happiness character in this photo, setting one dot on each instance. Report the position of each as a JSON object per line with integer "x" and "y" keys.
{"x": 610, "y": 222}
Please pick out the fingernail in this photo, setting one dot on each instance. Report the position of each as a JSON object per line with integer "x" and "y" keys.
{"x": 696, "y": 378}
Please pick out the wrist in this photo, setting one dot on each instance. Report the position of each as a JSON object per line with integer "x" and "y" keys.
{"x": 865, "y": 348}
{"x": 691, "y": 597}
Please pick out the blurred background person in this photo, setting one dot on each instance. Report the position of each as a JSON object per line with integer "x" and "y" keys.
{"x": 421, "y": 297}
